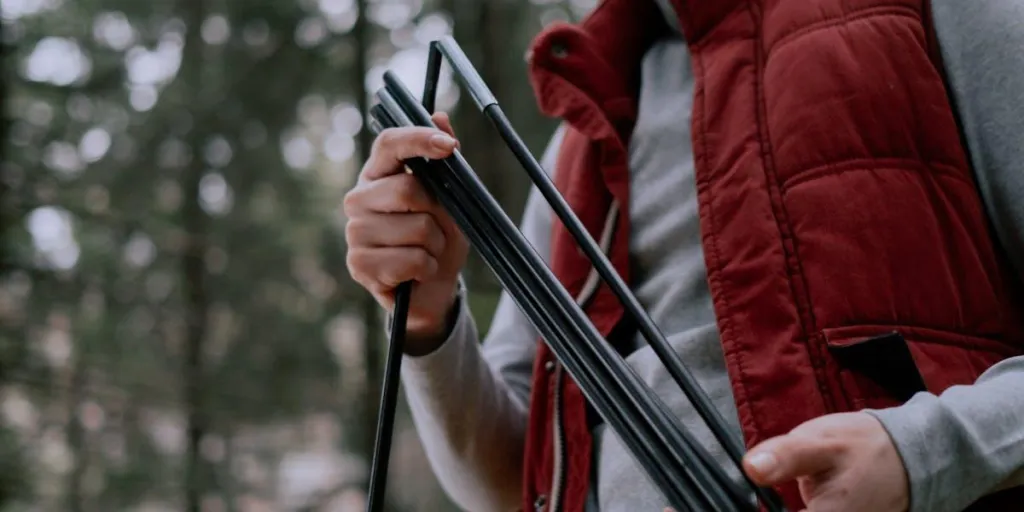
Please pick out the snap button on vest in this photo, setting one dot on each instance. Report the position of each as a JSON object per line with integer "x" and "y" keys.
{"x": 559, "y": 50}
{"x": 539, "y": 503}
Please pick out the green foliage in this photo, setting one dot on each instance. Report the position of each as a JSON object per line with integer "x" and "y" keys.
{"x": 114, "y": 110}
{"x": 13, "y": 478}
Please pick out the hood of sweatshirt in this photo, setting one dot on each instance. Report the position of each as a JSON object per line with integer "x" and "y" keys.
{"x": 669, "y": 12}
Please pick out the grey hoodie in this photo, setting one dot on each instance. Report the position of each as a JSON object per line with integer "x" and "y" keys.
{"x": 469, "y": 400}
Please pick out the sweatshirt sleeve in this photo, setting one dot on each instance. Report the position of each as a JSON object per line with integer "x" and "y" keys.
{"x": 469, "y": 400}
{"x": 969, "y": 441}
{"x": 981, "y": 45}
{"x": 963, "y": 444}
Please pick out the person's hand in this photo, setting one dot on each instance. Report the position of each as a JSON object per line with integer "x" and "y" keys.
{"x": 397, "y": 232}
{"x": 841, "y": 462}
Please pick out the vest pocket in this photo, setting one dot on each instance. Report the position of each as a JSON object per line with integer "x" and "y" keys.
{"x": 884, "y": 366}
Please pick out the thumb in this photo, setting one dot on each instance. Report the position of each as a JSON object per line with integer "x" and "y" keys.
{"x": 784, "y": 458}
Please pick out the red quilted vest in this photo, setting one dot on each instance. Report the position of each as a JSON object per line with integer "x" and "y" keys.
{"x": 836, "y": 205}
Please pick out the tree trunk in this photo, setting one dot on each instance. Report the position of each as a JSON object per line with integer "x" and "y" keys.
{"x": 467, "y": 120}
{"x": 500, "y": 170}
{"x": 194, "y": 222}
{"x": 76, "y": 432}
{"x": 372, "y": 343}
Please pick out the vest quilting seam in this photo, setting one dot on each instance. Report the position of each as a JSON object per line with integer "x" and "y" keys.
{"x": 845, "y": 18}
{"x": 794, "y": 268}
{"x": 717, "y": 31}
{"x": 936, "y": 169}
{"x": 720, "y": 291}
{"x": 685, "y": 19}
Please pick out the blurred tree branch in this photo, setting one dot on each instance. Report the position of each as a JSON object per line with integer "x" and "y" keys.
{"x": 213, "y": 324}
{"x": 193, "y": 272}
{"x": 373, "y": 345}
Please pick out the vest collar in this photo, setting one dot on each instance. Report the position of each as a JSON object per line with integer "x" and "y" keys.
{"x": 589, "y": 74}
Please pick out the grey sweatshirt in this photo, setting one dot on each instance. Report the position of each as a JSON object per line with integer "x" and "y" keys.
{"x": 469, "y": 400}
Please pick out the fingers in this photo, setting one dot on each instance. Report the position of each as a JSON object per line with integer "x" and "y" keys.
{"x": 398, "y": 193}
{"x": 392, "y": 233}
{"x": 394, "y": 145}
{"x": 784, "y": 458}
{"x": 381, "y": 269}
{"x": 397, "y": 230}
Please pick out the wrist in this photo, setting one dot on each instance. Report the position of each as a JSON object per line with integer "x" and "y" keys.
{"x": 424, "y": 337}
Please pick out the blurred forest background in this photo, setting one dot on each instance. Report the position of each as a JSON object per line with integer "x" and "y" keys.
{"x": 177, "y": 328}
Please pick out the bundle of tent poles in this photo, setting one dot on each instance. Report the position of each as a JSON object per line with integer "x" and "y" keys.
{"x": 681, "y": 468}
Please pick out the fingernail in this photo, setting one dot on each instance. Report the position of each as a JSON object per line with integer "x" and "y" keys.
{"x": 442, "y": 141}
{"x": 764, "y": 462}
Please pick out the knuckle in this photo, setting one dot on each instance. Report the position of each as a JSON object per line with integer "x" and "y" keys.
{"x": 376, "y": 166}
{"x": 386, "y": 139}
{"x": 398, "y": 142}
{"x": 377, "y": 289}
{"x": 354, "y": 231}
{"x": 421, "y": 261}
{"x": 440, "y": 213}
{"x": 406, "y": 190}
{"x": 355, "y": 267}
{"x": 350, "y": 201}
{"x": 393, "y": 270}
{"x": 423, "y": 229}
{"x": 434, "y": 237}
{"x": 355, "y": 258}
{"x": 833, "y": 447}
{"x": 391, "y": 275}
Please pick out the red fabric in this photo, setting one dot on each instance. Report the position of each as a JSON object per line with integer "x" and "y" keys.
{"x": 836, "y": 204}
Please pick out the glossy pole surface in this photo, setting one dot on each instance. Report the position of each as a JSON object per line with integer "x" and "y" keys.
{"x": 670, "y": 448}
{"x": 388, "y": 401}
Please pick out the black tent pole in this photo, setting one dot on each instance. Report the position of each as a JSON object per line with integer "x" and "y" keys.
{"x": 710, "y": 480}
{"x": 488, "y": 104}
